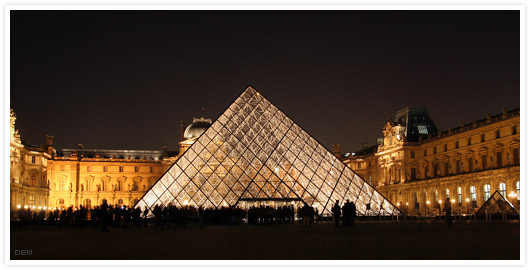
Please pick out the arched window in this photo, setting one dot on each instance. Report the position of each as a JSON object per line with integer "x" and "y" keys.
{"x": 502, "y": 189}
{"x": 447, "y": 193}
{"x": 459, "y": 196}
{"x": 473, "y": 193}
{"x": 486, "y": 192}
{"x": 87, "y": 204}
{"x": 436, "y": 195}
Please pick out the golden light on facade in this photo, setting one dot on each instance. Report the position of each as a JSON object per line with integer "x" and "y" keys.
{"x": 407, "y": 203}
{"x": 440, "y": 201}
{"x": 40, "y": 207}
{"x": 512, "y": 195}
{"x": 185, "y": 202}
{"x": 398, "y": 204}
{"x": 467, "y": 199}
{"x": 428, "y": 202}
{"x": 25, "y": 207}
{"x": 453, "y": 200}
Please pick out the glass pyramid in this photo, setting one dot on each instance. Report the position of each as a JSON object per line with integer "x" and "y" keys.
{"x": 496, "y": 204}
{"x": 254, "y": 152}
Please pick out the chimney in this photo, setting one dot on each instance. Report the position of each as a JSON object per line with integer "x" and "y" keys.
{"x": 182, "y": 128}
{"x": 336, "y": 150}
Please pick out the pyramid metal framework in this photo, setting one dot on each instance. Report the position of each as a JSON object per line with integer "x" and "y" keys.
{"x": 254, "y": 152}
{"x": 496, "y": 204}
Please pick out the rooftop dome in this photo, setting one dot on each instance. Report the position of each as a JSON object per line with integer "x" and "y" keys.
{"x": 196, "y": 128}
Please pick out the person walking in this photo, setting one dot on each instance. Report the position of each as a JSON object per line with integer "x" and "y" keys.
{"x": 336, "y": 213}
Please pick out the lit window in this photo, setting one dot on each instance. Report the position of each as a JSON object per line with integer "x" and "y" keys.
{"x": 459, "y": 196}
{"x": 31, "y": 200}
{"x": 473, "y": 193}
{"x": 486, "y": 192}
{"x": 447, "y": 193}
{"x": 502, "y": 189}
{"x": 33, "y": 178}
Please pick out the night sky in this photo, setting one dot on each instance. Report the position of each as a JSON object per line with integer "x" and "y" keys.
{"x": 125, "y": 79}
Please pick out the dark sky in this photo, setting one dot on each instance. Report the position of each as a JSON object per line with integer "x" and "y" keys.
{"x": 125, "y": 79}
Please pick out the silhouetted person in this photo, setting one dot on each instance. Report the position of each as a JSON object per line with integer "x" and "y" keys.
{"x": 103, "y": 216}
{"x": 346, "y": 213}
{"x": 336, "y": 213}
{"x": 447, "y": 209}
{"x": 307, "y": 212}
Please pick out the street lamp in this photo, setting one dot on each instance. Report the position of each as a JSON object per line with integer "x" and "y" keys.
{"x": 407, "y": 208}
{"x": 428, "y": 208}
{"x": 467, "y": 206}
{"x": 440, "y": 207}
{"x": 453, "y": 205}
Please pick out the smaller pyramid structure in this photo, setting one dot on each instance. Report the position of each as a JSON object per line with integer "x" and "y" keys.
{"x": 497, "y": 204}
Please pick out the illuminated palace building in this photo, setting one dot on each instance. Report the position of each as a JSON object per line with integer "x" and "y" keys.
{"x": 416, "y": 167}
{"x": 253, "y": 153}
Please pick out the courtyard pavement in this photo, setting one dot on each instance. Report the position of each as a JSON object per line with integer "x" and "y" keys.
{"x": 410, "y": 240}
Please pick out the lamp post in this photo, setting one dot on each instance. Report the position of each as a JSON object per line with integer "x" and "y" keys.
{"x": 428, "y": 209}
{"x": 407, "y": 208}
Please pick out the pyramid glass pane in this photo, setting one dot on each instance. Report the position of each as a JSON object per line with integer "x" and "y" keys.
{"x": 253, "y": 151}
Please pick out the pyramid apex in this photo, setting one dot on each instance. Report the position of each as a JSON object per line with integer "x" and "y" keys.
{"x": 250, "y": 88}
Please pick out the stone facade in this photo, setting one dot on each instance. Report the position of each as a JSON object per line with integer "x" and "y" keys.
{"x": 79, "y": 180}
{"x": 28, "y": 183}
{"x": 465, "y": 164}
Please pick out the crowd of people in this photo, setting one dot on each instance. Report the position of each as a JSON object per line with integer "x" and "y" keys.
{"x": 106, "y": 216}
